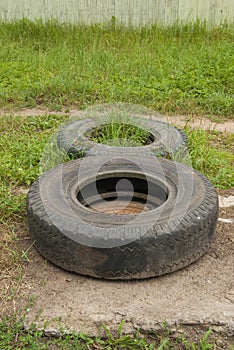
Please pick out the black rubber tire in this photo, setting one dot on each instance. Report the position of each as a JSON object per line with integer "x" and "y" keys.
{"x": 166, "y": 239}
{"x": 168, "y": 141}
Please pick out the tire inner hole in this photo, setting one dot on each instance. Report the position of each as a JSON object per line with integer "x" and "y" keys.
{"x": 122, "y": 195}
{"x": 120, "y": 134}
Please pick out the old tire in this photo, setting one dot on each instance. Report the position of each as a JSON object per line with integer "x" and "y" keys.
{"x": 165, "y": 140}
{"x": 176, "y": 232}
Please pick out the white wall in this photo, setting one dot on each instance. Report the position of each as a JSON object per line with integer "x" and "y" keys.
{"x": 127, "y": 12}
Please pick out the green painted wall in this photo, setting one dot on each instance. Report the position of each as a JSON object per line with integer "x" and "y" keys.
{"x": 127, "y": 12}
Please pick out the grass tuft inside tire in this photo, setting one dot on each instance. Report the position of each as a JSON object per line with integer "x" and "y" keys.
{"x": 145, "y": 136}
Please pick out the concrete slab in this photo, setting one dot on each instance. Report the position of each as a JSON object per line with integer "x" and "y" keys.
{"x": 201, "y": 294}
{"x": 225, "y": 202}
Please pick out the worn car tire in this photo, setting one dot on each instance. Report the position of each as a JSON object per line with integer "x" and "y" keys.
{"x": 167, "y": 140}
{"x": 169, "y": 236}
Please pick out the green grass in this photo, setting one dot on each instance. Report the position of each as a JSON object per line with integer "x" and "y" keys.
{"x": 21, "y": 146}
{"x": 23, "y": 140}
{"x": 212, "y": 154}
{"x": 120, "y": 134}
{"x": 186, "y": 69}
{"x": 181, "y": 69}
{"x": 14, "y": 336}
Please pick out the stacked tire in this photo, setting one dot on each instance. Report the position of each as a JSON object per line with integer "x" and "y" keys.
{"x": 122, "y": 212}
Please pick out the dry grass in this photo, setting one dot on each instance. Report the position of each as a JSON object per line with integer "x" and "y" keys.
{"x": 12, "y": 245}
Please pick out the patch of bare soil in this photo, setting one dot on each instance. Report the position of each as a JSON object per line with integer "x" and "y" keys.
{"x": 202, "y": 123}
{"x": 226, "y": 193}
{"x": 191, "y": 300}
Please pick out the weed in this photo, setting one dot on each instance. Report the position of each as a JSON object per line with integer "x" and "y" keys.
{"x": 118, "y": 341}
{"x": 24, "y": 255}
{"x": 14, "y": 336}
{"x": 202, "y": 345}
